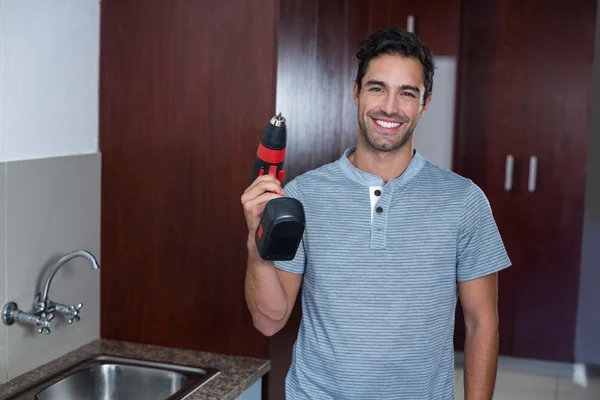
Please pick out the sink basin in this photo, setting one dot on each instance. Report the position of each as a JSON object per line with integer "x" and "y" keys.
{"x": 118, "y": 378}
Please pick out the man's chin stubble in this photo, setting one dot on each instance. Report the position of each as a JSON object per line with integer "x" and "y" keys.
{"x": 387, "y": 149}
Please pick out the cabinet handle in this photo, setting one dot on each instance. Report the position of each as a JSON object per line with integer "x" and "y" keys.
{"x": 508, "y": 174}
{"x": 532, "y": 173}
{"x": 410, "y": 24}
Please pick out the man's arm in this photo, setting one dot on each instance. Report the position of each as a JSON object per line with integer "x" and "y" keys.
{"x": 270, "y": 292}
{"x": 479, "y": 303}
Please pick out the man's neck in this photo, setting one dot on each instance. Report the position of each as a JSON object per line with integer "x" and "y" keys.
{"x": 386, "y": 165}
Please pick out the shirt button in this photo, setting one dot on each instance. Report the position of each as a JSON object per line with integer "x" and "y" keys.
{"x": 379, "y": 210}
{"x": 378, "y": 192}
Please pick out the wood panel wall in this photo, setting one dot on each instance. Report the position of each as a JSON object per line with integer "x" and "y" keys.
{"x": 186, "y": 89}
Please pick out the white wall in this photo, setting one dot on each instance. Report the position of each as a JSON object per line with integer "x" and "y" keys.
{"x": 49, "y": 170}
{"x": 434, "y": 134}
{"x": 48, "y": 78}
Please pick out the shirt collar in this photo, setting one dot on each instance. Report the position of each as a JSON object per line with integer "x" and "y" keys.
{"x": 367, "y": 179}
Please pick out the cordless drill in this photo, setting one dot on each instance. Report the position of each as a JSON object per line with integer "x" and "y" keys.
{"x": 282, "y": 224}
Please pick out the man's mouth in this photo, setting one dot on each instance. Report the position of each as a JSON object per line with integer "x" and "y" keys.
{"x": 386, "y": 126}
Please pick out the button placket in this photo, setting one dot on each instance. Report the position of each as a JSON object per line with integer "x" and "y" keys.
{"x": 380, "y": 218}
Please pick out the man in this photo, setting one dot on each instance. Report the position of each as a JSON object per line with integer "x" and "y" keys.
{"x": 390, "y": 240}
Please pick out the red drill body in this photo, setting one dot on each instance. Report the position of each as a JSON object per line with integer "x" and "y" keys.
{"x": 270, "y": 155}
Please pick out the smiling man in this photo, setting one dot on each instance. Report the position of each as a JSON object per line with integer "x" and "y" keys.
{"x": 392, "y": 242}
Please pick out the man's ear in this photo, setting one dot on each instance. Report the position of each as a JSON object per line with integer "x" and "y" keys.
{"x": 426, "y": 106}
{"x": 356, "y": 93}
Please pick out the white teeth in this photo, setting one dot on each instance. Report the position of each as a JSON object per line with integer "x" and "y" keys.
{"x": 386, "y": 124}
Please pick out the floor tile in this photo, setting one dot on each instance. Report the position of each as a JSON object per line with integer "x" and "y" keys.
{"x": 568, "y": 390}
{"x": 514, "y": 394}
{"x": 513, "y": 386}
{"x": 458, "y": 375}
{"x": 524, "y": 394}
{"x": 512, "y": 381}
{"x": 578, "y": 396}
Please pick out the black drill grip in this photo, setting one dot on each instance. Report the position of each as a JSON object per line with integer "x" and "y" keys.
{"x": 264, "y": 168}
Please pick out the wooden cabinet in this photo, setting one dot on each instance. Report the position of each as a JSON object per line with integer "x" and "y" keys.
{"x": 437, "y": 23}
{"x": 186, "y": 90}
{"x": 525, "y": 77}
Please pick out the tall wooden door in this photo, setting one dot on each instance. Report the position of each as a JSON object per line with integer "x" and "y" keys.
{"x": 186, "y": 90}
{"x": 523, "y": 97}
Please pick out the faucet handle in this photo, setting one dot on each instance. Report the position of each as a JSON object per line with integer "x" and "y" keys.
{"x": 71, "y": 312}
{"x": 44, "y": 322}
{"x": 74, "y": 312}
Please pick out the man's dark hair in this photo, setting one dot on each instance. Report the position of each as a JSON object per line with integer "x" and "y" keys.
{"x": 395, "y": 41}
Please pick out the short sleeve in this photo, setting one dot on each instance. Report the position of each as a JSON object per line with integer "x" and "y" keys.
{"x": 298, "y": 264}
{"x": 480, "y": 249}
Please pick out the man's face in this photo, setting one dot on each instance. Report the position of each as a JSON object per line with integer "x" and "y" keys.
{"x": 390, "y": 102}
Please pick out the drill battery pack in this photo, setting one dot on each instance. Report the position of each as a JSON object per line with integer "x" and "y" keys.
{"x": 281, "y": 228}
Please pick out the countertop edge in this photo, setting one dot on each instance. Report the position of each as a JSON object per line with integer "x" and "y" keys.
{"x": 261, "y": 372}
{"x": 237, "y": 373}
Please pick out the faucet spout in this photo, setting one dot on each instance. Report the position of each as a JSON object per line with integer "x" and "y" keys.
{"x": 42, "y": 299}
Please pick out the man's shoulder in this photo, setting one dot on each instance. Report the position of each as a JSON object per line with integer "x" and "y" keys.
{"x": 316, "y": 178}
{"x": 444, "y": 179}
{"x": 457, "y": 193}
{"x": 456, "y": 189}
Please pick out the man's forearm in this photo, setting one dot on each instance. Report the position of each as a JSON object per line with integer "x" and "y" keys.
{"x": 265, "y": 295}
{"x": 481, "y": 361}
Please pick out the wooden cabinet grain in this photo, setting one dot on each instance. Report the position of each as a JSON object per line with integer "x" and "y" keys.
{"x": 186, "y": 89}
{"x": 525, "y": 77}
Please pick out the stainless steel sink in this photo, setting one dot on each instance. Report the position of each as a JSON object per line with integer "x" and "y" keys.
{"x": 118, "y": 378}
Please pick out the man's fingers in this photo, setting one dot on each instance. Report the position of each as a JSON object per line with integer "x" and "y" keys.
{"x": 261, "y": 179}
{"x": 258, "y": 204}
{"x": 261, "y": 188}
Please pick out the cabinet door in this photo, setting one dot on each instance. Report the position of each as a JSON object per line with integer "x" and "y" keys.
{"x": 556, "y": 53}
{"x": 486, "y": 150}
{"x": 437, "y": 23}
{"x": 524, "y": 88}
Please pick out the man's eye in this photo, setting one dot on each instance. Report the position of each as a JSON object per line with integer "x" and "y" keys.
{"x": 375, "y": 89}
{"x": 408, "y": 94}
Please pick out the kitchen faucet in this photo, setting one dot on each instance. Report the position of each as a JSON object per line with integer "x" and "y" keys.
{"x": 42, "y": 304}
{"x": 45, "y": 307}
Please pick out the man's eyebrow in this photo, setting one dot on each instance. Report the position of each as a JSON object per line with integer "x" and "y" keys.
{"x": 374, "y": 82}
{"x": 409, "y": 87}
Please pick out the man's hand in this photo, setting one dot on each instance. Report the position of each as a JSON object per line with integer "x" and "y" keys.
{"x": 480, "y": 308}
{"x": 254, "y": 199}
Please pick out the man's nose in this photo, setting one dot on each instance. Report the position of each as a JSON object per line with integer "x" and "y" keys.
{"x": 389, "y": 105}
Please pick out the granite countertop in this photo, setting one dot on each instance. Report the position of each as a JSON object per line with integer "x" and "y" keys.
{"x": 236, "y": 373}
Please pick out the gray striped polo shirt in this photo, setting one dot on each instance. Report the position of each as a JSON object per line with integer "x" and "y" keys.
{"x": 381, "y": 264}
